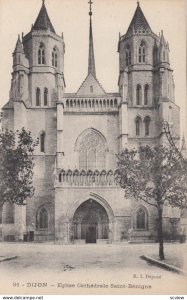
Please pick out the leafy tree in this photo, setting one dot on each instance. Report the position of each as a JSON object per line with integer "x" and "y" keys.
{"x": 16, "y": 166}
{"x": 156, "y": 176}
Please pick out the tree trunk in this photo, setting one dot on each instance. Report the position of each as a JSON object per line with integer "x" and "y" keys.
{"x": 160, "y": 234}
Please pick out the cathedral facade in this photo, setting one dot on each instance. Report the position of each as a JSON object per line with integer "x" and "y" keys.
{"x": 76, "y": 197}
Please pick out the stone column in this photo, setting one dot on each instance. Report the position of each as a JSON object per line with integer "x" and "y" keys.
{"x": 111, "y": 232}
{"x": 20, "y": 222}
{"x": 100, "y": 231}
{"x": 60, "y": 147}
{"x": 79, "y": 231}
{"x": 124, "y": 111}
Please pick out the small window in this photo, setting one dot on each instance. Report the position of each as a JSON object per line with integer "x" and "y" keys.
{"x": 142, "y": 52}
{"x": 147, "y": 126}
{"x": 41, "y": 55}
{"x": 43, "y": 219}
{"x": 141, "y": 219}
{"x": 128, "y": 56}
{"x": 146, "y": 94}
{"x": 138, "y": 123}
{"x": 91, "y": 89}
{"x": 138, "y": 95}
{"x": 42, "y": 142}
{"x": 164, "y": 55}
{"x": 38, "y": 102}
{"x": 54, "y": 58}
{"x": 45, "y": 97}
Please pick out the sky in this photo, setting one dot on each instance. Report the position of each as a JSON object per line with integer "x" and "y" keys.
{"x": 109, "y": 18}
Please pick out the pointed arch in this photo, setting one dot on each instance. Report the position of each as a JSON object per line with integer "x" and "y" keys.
{"x": 142, "y": 52}
{"x": 73, "y": 207}
{"x": 127, "y": 55}
{"x": 141, "y": 218}
{"x": 38, "y": 97}
{"x": 41, "y": 54}
{"x": 146, "y": 94}
{"x": 55, "y": 57}
{"x": 42, "y": 142}
{"x": 45, "y": 96}
{"x": 91, "y": 147}
{"x": 147, "y": 121}
{"x": 138, "y": 94}
{"x": 42, "y": 218}
{"x": 138, "y": 125}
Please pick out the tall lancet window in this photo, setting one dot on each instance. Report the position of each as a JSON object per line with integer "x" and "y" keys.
{"x": 138, "y": 95}
{"x": 146, "y": 94}
{"x": 42, "y": 142}
{"x": 142, "y": 52}
{"x": 147, "y": 121}
{"x": 43, "y": 218}
{"x": 45, "y": 97}
{"x": 141, "y": 219}
{"x": 92, "y": 150}
{"x": 138, "y": 125}
{"x": 38, "y": 97}
{"x": 54, "y": 58}
{"x": 128, "y": 56}
{"x": 41, "y": 55}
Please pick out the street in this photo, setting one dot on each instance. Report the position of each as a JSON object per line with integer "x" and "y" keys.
{"x": 60, "y": 269}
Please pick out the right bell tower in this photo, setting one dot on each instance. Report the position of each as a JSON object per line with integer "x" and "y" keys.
{"x": 145, "y": 84}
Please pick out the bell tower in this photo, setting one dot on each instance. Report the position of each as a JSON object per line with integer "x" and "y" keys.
{"x": 45, "y": 51}
{"x": 145, "y": 83}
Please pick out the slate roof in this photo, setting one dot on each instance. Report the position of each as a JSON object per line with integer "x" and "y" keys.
{"x": 43, "y": 22}
{"x": 138, "y": 21}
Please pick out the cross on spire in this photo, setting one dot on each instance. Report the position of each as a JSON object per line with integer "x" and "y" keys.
{"x": 90, "y": 3}
{"x": 91, "y": 60}
{"x": 43, "y": 2}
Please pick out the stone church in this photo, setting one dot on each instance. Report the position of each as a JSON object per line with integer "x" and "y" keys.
{"x": 76, "y": 197}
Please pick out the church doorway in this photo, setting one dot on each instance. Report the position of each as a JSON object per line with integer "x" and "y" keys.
{"x": 91, "y": 234}
{"x": 90, "y": 223}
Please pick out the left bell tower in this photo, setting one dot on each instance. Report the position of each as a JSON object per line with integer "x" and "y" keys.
{"x": 44, "y": 50}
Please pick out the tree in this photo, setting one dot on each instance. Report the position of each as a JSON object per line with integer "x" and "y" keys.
{"x": 156, "y": 176}
{"x": 16, "y": 166}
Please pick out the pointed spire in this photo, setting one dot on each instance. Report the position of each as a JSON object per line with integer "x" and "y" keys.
{"x": 43, "y": 22}
{"x": 19, "y": 46}
{"x": 162, "y": 39}
{"x": 139, "y": 21}
{"x": 91, "y": 59}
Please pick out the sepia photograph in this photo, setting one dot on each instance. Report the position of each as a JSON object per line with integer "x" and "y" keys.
{"x": 93, "y": 147}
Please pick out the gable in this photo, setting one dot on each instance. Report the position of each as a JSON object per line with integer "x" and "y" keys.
{"x": 91, "y": 86}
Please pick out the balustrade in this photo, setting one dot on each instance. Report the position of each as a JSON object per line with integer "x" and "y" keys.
{"x": 86, "y": 178}
{"x": 91, "y": 104}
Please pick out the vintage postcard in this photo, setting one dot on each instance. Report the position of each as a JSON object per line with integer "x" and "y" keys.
{"x": 87, "y": 80}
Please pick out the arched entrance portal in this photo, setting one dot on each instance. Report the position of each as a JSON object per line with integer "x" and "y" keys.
{"x": 91, "y": 222}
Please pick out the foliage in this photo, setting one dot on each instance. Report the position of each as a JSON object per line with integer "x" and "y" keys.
{"x": 16, "y": 166}
{"x": 154, "y": 175}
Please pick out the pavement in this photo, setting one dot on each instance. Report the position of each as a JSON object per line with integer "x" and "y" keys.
{"x": 59, "y": 269}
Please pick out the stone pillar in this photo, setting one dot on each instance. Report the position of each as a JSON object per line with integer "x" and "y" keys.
{"x": 124, "y": 111}
{"x": 60, "y": 147}
{"x": 124, "y": 130}
{"x": 99, "y": 231}
{"x": 79, "y": 231}
{"x": 111, "y": 232}
{"x": 20, "y": 222}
